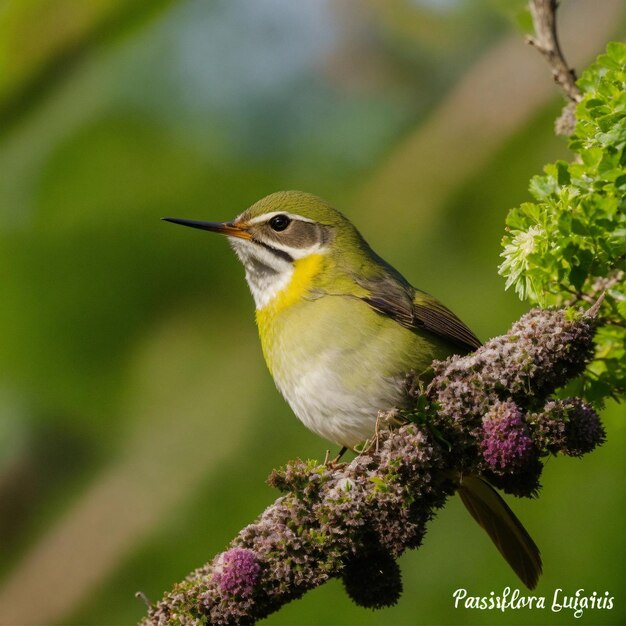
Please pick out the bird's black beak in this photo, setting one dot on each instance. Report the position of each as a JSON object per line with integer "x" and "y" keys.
{"x": 225, "y": 228}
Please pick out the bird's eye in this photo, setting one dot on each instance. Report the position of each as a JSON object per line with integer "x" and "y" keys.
{"x": 279, "y": 222}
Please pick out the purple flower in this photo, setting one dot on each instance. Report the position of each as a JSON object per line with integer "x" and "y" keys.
{"x": 569, "y": 426}
{"x": 506, "y": 444}
{"x": 236, "y": 572}
{"x": 583, "y": 429}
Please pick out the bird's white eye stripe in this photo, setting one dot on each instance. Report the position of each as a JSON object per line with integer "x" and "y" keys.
{"x": 268, "y": 216}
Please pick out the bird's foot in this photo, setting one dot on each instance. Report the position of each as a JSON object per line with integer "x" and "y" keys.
{"x": 334, "y": 463}
{"x": 385, "y": 420}
{"x": 374, "y": 441}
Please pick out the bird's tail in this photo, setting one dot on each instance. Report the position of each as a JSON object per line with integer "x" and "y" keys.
{"x": 506, "y": 531}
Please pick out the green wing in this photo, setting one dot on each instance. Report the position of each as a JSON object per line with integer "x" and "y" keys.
{"x": 416, "y": 310}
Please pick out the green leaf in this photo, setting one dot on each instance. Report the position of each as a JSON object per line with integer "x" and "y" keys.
{"x": 616, "y": 51}
{"x": 562, "y": 173}
{"x": 577, "y": 277}
{"x": 542, "y": 187}
{"x": 572, "y": 238}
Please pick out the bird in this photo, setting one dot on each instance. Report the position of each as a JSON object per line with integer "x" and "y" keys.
{"x": 340, "y": 329}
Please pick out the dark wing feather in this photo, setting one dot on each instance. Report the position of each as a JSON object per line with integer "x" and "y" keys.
{"x": 416, "y": 310}
{"x": 438, "y": 319}
{"x": 390, "y": 297}
{"x": 506, "y": 531}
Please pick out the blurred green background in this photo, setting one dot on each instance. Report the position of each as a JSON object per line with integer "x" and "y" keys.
{"x": 137, "y": 420}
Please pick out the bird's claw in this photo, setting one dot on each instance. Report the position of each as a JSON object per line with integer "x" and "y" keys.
{"x": 334, "y": 463}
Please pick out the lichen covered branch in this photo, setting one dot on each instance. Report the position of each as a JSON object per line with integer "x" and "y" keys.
{"x": 491, "y": 413}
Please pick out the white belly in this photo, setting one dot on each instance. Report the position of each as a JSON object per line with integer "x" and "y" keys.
{"x": 332, "y": 407}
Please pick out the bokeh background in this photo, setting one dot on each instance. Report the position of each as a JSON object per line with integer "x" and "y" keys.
{"x": 137, "y": 420}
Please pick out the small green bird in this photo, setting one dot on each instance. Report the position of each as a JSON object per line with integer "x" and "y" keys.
{"x": 340, "y": 329}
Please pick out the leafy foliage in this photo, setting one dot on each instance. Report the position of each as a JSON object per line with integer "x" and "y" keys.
{"x": 569, "y": 246}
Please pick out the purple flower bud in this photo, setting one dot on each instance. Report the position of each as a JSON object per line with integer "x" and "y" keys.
{"x": 373, "y": 580}
{"x": 548, "y": 427}
{"x": 583, "y": 428}
{"x": 506, "y": 444}
{"x": 568, "y": 426}
{"x": 236, "y": 572}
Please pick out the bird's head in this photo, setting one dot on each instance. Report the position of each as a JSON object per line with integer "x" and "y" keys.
{"x": 278, "y": 232}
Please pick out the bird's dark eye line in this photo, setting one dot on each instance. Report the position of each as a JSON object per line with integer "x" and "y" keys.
{"x": 279, "y": 253}
{"x": 279, "y": 222}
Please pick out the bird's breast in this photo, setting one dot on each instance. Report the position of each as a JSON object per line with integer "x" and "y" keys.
{"x": 338, "y": 362}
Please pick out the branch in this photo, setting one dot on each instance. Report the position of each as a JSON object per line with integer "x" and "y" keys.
{"x": 489, "y": 414}
{"x": 546, "y": 41}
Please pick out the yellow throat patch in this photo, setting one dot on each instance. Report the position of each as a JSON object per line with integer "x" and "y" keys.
{"x": 303, "y": 273}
